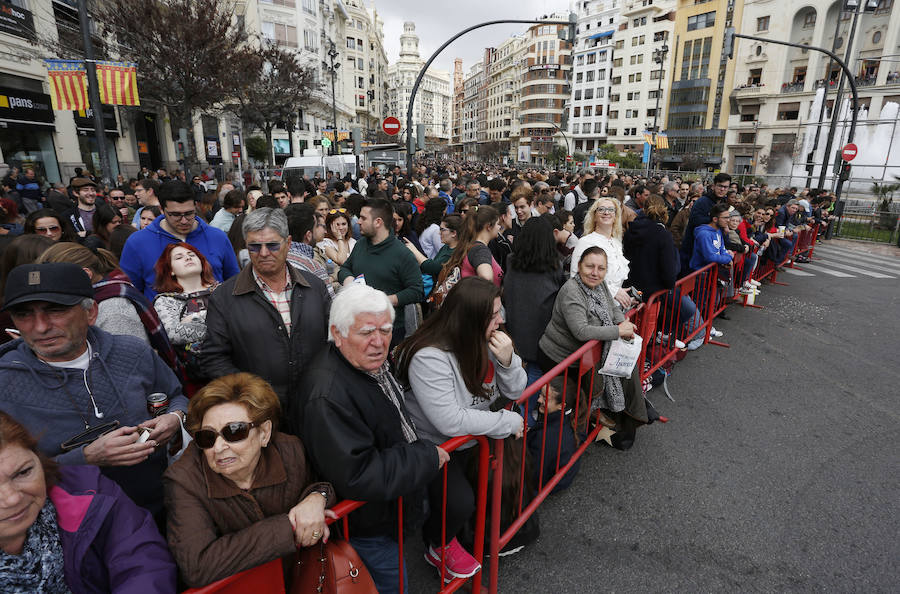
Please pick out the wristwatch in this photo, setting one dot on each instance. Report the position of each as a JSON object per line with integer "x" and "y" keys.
{"x": 323, "y": 494}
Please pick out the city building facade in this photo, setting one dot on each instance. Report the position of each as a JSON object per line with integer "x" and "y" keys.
{"x": 775, "y": 112}
{"x": 472, "y": 85}
{"x": 434, "y": 97}
{"x": 641, "y": 71}
{"x": 502, "y": 85}
{"x": 592, "y": 74}
{"x": 545, "y": 91}
{"x": 702, "y": 80}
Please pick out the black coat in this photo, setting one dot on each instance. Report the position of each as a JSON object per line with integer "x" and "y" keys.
{"x": 355, "y": 442}
{"x": 653, "y": 261}
{"x": 246, "y": 333}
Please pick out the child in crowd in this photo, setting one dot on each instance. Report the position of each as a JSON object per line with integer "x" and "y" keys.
{"x": 554, "y": 426}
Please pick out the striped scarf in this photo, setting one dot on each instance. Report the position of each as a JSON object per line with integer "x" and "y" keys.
{"x": 117, "y": 284}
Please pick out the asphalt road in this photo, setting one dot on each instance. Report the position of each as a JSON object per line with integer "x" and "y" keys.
{"x": 779, "y": 470}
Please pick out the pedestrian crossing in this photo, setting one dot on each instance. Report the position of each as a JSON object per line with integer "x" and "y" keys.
{"x": 840, "y": 262}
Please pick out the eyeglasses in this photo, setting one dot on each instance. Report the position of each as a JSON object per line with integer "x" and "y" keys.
{"x": 231, "y": 432}
{"x": 47, "y": 230}
{"x": 272, "y": 246}
{"x": 181, "y": 215}
{"x": 606, "y": 210}
{"x": 723, "y": 186}
{"x": 337, "y": 210}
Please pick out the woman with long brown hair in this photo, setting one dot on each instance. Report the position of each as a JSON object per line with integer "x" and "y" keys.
{"x": 472, "y": 255}
{"x": 456, "y": 365}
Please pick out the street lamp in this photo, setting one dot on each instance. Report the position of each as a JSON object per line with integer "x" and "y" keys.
{"x": 659, "y": 56}
{"x": 332, "y": 68}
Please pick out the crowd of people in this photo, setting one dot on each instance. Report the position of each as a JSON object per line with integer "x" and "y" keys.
{"x": 197, "y": 377}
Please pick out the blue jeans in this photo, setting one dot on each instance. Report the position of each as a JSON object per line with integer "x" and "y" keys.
{"x": 533, "y": 372}
{"x": 379, "y": 553}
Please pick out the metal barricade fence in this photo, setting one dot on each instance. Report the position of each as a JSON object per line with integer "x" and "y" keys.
{"x": 268, "y": 578}
{"x": 684, "y": 313}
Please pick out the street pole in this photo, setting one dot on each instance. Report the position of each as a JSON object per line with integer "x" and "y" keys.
{"x": 94, "y": 93}
{"x": 412, "y": 96}
{"x": 810, "y": 163}
{"x": 854, "y": 107}
{"x": 659, "y": 57}
{"x": 332, "y": 53}
{"x": 836, "y": 110}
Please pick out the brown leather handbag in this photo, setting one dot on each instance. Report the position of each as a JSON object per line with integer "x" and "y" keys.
{"x": 332, "y": 568}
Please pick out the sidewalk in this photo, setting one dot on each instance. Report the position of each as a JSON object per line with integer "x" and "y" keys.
{"x": 869, "y": 247}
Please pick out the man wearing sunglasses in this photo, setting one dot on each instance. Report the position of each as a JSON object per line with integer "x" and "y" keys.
{"x": 178, "y": 223}
{"x": 271, "y": 318}
{"x": 82, "y": 391}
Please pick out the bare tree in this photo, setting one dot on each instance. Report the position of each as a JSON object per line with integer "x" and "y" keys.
{"x": 274, "y": 93}
{"x": 190, "y": 54}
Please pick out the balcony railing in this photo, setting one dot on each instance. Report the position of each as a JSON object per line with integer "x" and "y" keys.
{"x": 792, "y": 87}
{"x": 748, "y": 89}
{"x": 865, "y": 81}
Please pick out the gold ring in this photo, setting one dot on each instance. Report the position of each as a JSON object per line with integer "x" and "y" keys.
{"x": 316, "y": 534}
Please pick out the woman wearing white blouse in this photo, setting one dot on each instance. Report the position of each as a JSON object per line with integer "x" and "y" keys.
{"x": 603, "y": 228}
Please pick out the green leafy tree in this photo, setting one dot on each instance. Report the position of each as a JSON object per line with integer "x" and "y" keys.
{"x": 257, "y": 148}
{"x": 557, "y": 155}
{"x": 190, "y": 54}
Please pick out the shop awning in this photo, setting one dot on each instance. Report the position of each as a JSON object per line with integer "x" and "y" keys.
{"x": 601, "y": 35}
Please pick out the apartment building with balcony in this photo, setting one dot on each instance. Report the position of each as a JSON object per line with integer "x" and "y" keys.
{"x": 545, "y": 91}
{"x": 471, "y": 97}
{"x": 592, "y": 74}
{"x": 641, "y": 71}
{"x": 502, "y": 86}
{"x": 775, "y": 86}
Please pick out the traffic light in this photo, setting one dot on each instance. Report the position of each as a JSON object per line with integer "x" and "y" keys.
{"x": 845, "y": 171}
{"x": 728, "y": 44}
{"x": 356, "y": 136}
{"x": 420, "y": 137}
{"x": 568, "y": 34}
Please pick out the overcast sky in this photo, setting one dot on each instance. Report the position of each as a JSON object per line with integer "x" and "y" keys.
{"x": 437, "y": 21}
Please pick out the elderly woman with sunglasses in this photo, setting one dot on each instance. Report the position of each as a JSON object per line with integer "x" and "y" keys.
{"x": 242, "y": 494}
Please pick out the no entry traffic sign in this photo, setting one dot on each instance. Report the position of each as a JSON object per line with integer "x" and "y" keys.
{"x": 848, "y": 153}
{"x": 391, "y": 126}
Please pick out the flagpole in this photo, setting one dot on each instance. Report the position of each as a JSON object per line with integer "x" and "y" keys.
{"x": 90, "y": 66}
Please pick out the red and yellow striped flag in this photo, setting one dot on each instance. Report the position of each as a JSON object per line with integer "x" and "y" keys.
{"x": 68, "y": 84}
{"x": 118, "y": 83}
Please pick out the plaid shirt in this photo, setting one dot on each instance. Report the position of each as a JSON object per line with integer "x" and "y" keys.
{"x": 280, "y": 300}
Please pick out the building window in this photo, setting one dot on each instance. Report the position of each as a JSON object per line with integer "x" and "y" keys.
{"x": 589, "y": 76}
{"x": 755, "y": 77}
{"x": 747, "y": 138}
{"x": 309, "y": 6}
{"x": 310, "y": 40}
{"x": 762, "y": 23}
{"x": 788, "y": 111}
{"x": 620, "y": 44}
{"x": 578, "y": 77}
{"x": 351, "y": 43}
{"x": 702, "y": 21}
{"x": 617, "y": 62}
{"x": 876, "y": 38}
{"x": 809, "y": 19}
{"x": 657, "y": 74}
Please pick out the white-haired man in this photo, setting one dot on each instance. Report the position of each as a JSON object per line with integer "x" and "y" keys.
{"x": 356, "y": 429}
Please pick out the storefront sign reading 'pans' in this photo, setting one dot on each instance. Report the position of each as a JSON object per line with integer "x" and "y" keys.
{"x": 16, "y": 21}
{"x": 24, "y": 106}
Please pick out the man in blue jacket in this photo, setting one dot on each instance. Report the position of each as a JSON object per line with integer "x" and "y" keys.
{"x": 82, "y": 391}
{"x": 709, "y": 244}
{"x": 179, "y": 222}
{"x": 700, "y": 215}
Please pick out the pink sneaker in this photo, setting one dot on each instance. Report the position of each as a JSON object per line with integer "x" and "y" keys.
{"x": 457, "y": 561}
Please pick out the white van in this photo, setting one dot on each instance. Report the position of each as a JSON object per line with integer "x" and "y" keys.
{"x": 313, "y": 162}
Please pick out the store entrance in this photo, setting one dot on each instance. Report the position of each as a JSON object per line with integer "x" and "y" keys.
{"x": 147, "y": 140}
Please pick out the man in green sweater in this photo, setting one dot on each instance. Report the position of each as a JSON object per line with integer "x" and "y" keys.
{"x": 380, "y": 260}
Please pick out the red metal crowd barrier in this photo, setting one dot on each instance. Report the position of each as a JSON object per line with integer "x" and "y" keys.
{"x": 269, "y": 579}
{"x": 660, "y": 322}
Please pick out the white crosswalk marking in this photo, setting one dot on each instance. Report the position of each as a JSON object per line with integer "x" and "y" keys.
{"x": 796, "y": 272}
{"x": 826, "y": 271}
{"x": 859, "y": 256}
{"x": 852, "y": 268}
{"x": 858, "y": 263}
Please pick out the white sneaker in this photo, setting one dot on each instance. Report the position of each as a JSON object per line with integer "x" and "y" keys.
{"x": 754, "y": 282}
{"x": 664, "y": 338}
{"x": 695, "y": 344}
{"x": 716, "y": 333}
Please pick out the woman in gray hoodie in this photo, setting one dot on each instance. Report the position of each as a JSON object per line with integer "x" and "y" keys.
{"x": 456, "y": 365}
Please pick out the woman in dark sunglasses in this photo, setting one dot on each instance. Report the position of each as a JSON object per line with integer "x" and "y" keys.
{"x": 242, "y": 493}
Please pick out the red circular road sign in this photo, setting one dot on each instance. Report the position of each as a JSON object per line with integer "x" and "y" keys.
{"x": 848, "y": 153}
{"x": 391, "y": 126}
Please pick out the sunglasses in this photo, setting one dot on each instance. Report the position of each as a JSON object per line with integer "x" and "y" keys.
{"x": 272, "y": 246}
{"x": 231, "y": 432}
{"x": 45, "y": 230}
{"x": 337, "y": 210}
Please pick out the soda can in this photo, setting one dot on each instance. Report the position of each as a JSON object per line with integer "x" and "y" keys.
{"x": 157, "y": 403}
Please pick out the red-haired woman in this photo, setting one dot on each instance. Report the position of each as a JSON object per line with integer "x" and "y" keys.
{"x": 184, "y": 282}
